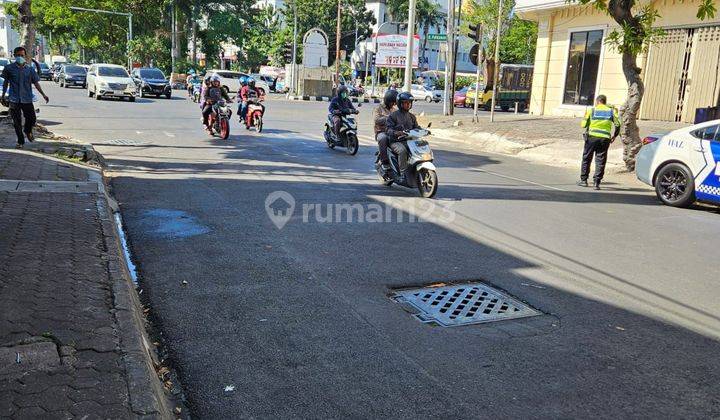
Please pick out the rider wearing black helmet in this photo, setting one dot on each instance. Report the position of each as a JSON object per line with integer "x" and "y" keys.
{"x": 398, "y": 122}
{"x": 380, "y": 115}
{"x": 340, "y": 105}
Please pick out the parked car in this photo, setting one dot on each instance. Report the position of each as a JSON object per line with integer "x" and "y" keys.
{"x": 45, "y": 73}
{"x": 72, "y": 75}
{"x": 426, "y": 93}
{"x": 230, "y": 80}
{"x": 110, "y": 80}
{"x": 268, "y": 80}
{"x": 459, "y": 96}
{"x": 683, "y": 165}
{"x": 3, "y": 62}
{"x": 151, "y": 81}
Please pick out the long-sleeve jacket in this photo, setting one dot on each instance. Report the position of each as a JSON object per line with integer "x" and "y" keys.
{"x": 380, "y": 116}
{"x": 399, "y": 121}
{"x": 214, "y": 94}
{"x": 339, "y": 105}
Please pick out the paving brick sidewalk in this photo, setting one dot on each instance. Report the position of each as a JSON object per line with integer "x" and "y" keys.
{"x": 70, "y": 342}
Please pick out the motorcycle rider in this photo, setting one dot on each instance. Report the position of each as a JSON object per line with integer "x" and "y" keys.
{"x": 213, "y": 94}
{"x": 246, "y": 92}
{"x": 380, "y": 116}
{"x": 398, "y": 122}
{"x": 340, "y": 105}
{"x": 203, "y": 89}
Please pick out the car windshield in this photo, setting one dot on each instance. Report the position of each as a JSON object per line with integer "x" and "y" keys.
{"x": 152, "y": 74}
{"x": 44, "y": 66}
{"x": 464, "y": 90}
{"x": 75, "y": 70}
{"x": 112, "y": 71}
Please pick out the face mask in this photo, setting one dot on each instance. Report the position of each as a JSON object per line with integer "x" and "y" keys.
{"x": 343, "y": 95}
{"x": 20, "y": 60}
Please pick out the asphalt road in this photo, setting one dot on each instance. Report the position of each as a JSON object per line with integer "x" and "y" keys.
{"x": 299, "y": 320}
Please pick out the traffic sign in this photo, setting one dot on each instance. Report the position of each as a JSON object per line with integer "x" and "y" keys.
{"x": 437, "y": 37}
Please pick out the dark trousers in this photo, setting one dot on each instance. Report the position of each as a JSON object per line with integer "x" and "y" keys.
{"x": 17, "y": 110}
{"x": 382, "y": 140}
{"x": 207, "y": 110}
{"x": 598, "y": 147}
{"x": 401, "y": 150}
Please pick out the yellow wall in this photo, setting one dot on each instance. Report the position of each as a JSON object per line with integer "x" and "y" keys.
{"x": 554, "y": 28}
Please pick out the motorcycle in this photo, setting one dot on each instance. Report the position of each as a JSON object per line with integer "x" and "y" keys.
{"x": 421, "y": 172}
{"x": 348, "y": 133}
{"x": 220, "y": 120}
{"x": 196, "y": 90}
{"x": 254, "y": 114}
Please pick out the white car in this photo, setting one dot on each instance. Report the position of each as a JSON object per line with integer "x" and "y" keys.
{"x": 230, "y": 80}
{"x": 110, "y": 80}
{"x": 683, "y": 165}
{"x": 426, "y": 93}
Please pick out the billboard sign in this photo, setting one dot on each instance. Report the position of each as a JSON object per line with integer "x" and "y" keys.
{"x": 392, "y": 50}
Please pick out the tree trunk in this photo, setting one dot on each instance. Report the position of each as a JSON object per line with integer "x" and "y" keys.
{"x": 27, "y": 27}
{"x": 629, "y": 131}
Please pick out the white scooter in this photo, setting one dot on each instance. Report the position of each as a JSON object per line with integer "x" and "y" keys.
{"x": 421, "y": 172}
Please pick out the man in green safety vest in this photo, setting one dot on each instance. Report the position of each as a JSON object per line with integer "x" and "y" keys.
{"x": 601, "y": 124}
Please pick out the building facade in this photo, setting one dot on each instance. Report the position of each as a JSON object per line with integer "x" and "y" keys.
{"x": 573, "y": 63}
{"x": 9, "y": 38}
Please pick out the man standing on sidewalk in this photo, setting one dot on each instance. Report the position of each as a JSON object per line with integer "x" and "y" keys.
{"x": 602, "y": 125}
{"x": 20, "y": 77}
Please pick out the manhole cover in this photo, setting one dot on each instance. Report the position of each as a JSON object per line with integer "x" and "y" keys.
{"x": 125, "y": 142}
{"x": 463, "y": 304}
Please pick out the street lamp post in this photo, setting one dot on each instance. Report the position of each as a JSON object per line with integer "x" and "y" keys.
{"x": 112, "y": 12}
{"x": 294, "y": 51}
{"x": 337, "y": 46}
{"x": 410, "y": 42}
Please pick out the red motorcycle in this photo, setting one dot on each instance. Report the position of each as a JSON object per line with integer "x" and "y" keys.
{"x": 254, "y": 114}
{"x": 220, "y": 120}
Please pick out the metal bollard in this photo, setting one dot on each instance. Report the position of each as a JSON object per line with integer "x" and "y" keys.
{"x": 516, "y": 107}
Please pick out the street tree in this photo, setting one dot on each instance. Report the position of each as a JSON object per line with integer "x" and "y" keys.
{"x": 633, "y": 36}
{"x": 27, "y": 27}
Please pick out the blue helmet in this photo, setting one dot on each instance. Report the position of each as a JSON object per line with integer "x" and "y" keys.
{"x": 243, "y": 80}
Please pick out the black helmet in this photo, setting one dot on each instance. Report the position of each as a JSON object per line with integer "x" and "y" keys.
{"x": 251, "y": 82}
{"x": 405, "y": 97}
{"x": 342, "y": 89}
{"x": 390, "y": 98}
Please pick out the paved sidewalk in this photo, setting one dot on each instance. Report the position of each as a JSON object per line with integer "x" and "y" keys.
{"x": 71, "y": 341}
{"x": 550, "y": 140}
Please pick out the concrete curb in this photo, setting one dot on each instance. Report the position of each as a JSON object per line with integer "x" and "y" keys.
{"x": 327, "y": 99}
{"x": 147, "y": 395}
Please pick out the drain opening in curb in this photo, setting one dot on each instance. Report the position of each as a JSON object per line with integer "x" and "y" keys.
{"x": 462, "y": 304}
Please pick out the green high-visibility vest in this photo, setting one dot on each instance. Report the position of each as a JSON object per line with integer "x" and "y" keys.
{"x": 600, "y": 121}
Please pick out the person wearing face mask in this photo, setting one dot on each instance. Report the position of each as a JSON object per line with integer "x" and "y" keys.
{"x": 20, "y": 77}
{"x": 340, "y": 105}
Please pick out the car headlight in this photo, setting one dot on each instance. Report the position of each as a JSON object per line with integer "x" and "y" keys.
{"x": 104, "y": 84}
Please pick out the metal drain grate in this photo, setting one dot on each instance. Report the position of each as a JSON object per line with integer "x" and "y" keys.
{"x": 463, "y": 304}
{"x": 125, "y": 142}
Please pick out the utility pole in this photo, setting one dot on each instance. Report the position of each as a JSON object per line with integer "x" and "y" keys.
{"x": 337, "y": 47}
{"x": 294, "y": 52}
{"x": 450, "y": 59}
{"x": 410, "y": 44}
{"x": 456, "y": 47}
{"x": 477, "y": 35}
{"x": 194, "y": 34}
{"x": 496, "y": 70}
{"x": 172, "y": 38}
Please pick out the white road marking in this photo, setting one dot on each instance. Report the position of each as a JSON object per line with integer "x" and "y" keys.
{"x": 520, "y": 180}
{"x": 168, "y": 134}
{"x": 138, "y": 132}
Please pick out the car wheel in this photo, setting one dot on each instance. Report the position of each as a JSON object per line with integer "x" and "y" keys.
{"x": 504, "y": 108}
{"x": 132, "y": 99}
{"x": 675, "y": 186}
{"x": 90, "y": 94}
{"x": 428, "y": 99}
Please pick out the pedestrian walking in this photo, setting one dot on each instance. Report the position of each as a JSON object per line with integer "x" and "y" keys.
{"x": 601, "y": 124}
{"x": 20, "y": 77}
